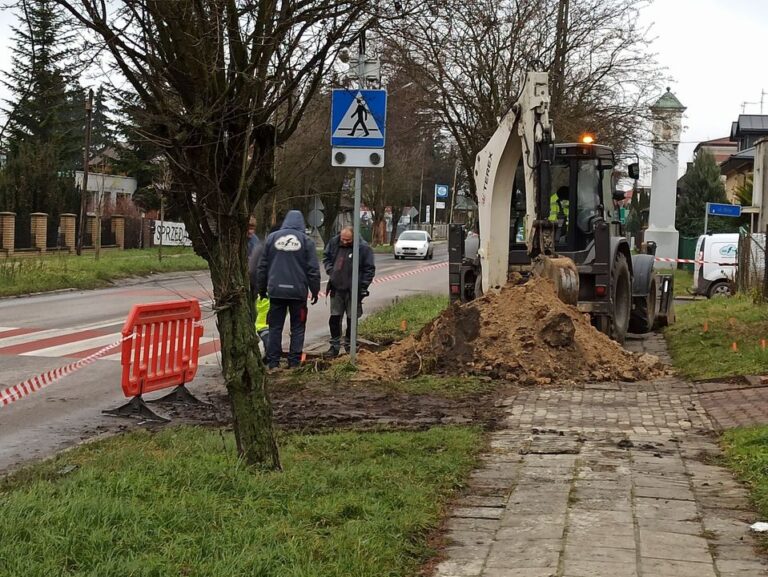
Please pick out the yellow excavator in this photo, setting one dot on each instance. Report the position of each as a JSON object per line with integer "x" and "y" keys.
{"x": 551, "y": 210}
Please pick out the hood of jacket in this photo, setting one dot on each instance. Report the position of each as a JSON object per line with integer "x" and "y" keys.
{"x": 294, "y": 220}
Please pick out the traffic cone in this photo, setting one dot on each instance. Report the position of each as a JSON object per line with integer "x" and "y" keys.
{"x": 734, "y": 347}
{"x": 706, "y": 327}
{"x": 403, "y": 325}
{"x": 303, "y": 357}
{"x": 762, "y": 344}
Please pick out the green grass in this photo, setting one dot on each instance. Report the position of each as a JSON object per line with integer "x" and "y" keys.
{"x": 26, "y": 275}
{"x": 746, "y": 452}
{"x": 703, "y": 355}
{"x": 180, "y": 503}
{"x": 385, "y": 326}
{"x": 448, "y": 387}
{"x": 683, "y": 282}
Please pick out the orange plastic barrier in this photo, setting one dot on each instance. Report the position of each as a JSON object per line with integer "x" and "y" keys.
{"x": 165, "y": 346}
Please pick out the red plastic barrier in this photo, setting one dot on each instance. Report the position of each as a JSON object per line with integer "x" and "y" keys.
{"x": 165, "y": 346}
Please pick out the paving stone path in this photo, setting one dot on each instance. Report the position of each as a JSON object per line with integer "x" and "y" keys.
{"x": 610, "y": 480}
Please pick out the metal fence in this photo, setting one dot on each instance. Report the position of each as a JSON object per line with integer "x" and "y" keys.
{"x": 752, "y": 272}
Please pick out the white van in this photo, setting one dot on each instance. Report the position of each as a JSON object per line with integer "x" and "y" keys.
{"x": 720, "y": 255}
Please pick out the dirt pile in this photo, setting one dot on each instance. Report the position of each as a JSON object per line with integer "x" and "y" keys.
{"x": 523, "y": 334}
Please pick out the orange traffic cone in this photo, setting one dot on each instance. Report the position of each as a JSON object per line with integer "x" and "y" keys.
{"x": 734, "y": 347}
{"x": 303, "y": 357}
{"x": 762, "y": 344}
{"x": 403, "y": 325}
{"x": 706, "y": 327}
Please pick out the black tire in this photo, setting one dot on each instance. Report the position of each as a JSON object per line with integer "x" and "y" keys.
{"x": 431, "y": 255}
{"x": 621, "y": 288}
{"x": 720, "y": 288}
{"x": 643, "y": 315}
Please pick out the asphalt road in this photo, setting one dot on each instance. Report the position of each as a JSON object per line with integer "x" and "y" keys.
{"x": 43, "y": 332}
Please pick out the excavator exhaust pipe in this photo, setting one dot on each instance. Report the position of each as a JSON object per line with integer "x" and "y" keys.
{"x": 561, "y": 271}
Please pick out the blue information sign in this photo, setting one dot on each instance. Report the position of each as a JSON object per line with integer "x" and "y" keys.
{"x": 358, "y": 118}
{"x": 716, "y": 209}
{"x": 441, "y": 191}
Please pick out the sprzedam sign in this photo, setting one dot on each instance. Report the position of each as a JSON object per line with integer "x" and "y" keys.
{"x": 170, "y": 234}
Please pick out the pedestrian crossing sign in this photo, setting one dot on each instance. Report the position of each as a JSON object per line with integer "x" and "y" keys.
{"x": 358, "y": 118}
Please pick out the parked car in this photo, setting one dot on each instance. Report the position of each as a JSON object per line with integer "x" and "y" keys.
{"x": 414, "y": 243}
{"x": 715, "y": 277}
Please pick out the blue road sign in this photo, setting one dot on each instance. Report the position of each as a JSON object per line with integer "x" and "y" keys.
{"x": 441, "y": 191}
{"x": 716, "y": 209}
{"x": 358, "y": 118}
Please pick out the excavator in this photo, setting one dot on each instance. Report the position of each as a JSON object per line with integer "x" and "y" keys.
{"x": 550, "y": 210}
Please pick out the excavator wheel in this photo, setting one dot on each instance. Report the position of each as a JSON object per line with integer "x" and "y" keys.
{"x": 563, "y": 272}
{"x": 643, "y": 315}
{"x": 621, "y": 287}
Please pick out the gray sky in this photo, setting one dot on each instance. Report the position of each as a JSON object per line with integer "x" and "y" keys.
{"x": 714, "y": 52}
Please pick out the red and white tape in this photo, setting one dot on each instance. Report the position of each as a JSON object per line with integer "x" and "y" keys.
{"x": 693, "y": 261}
{"x": 399, "y": 275}
{"x": 26, "y": 388}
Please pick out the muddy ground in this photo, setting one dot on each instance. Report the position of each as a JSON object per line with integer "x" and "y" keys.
{"x": 316, "y": 406}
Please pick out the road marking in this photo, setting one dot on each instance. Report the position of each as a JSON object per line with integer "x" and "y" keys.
{"x": 82, "y": 341}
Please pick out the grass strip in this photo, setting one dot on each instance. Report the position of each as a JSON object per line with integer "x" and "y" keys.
{"x": 180, "y": 503}
{"x": 701, "y": 354}
{"x": 386, "y": 325}
{"x": 26, "y": 275}
{"x": 746, "y": 453}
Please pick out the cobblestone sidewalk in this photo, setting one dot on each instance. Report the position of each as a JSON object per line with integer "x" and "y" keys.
{"x": 612, "y": 480}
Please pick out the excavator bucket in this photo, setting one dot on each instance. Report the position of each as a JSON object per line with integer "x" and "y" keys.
{"x": 561, "y": 271}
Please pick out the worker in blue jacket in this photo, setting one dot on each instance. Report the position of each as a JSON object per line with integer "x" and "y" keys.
{"x": 288, "y": 271}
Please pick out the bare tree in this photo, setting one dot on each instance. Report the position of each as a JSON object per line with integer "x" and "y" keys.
{"x": 471, "y": 56}
{"x": 210, "y": 76}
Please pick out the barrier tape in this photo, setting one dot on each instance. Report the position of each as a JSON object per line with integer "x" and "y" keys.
{"x": 693, "y": 261}
{"x": 399, "y": 275}
{"x": 31, "y": 385}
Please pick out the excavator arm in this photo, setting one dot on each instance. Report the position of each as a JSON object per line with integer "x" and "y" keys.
{"x": 524, "y": 133}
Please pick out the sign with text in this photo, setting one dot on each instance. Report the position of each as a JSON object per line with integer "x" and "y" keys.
{"x": 170, "y": 234}
{"x": 716, "y": 209}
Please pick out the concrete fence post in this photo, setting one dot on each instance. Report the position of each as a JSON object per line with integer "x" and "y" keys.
{"x": 39, "y": 224}
{"x": 7, "y": 232}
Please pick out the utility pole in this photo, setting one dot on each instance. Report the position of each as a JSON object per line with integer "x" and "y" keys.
{"x": 561, "y": 48}
{"x": 84, "y": 187}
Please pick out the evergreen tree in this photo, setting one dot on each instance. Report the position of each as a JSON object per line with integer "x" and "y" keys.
{"x": 46, "y": 118}
{"x": 102, "y": 126}
{"x": 700, "y": 185}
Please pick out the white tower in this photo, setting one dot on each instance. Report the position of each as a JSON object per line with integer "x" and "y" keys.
{"x": 667, "y": 125}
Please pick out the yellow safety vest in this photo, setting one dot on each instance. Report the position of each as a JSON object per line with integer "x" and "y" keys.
{"x": 262, "y": 308}
{"x": 554, "y": 208}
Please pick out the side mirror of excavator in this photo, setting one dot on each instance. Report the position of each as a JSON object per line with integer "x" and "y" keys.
{"x": 634, "y": 170}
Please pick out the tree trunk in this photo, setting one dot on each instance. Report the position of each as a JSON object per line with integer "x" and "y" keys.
{"x": 243, "y": 370}
{"x": 397, "y": 212}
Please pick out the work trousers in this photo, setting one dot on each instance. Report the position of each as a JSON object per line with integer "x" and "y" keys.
{"x": 278, "y": 309}
{"x": 341, "y": 304}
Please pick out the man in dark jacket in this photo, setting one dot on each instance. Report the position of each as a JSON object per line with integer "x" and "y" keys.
{"x": 287, "y": 271}
{"x": 337, "y": 260}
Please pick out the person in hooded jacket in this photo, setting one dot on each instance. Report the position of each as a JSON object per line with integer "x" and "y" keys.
{"x": 287, "y": 271}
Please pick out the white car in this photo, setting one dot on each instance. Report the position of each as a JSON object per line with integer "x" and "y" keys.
{"x": 714, "y": 277}
{"x": 414, "y": 243}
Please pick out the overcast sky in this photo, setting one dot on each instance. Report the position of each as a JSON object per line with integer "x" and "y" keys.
{"x": 714, "y": 52}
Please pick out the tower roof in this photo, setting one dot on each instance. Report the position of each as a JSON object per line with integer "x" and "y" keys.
{"x": 668, "y": 101}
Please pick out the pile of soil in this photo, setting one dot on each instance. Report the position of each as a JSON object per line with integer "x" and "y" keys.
{"x": 523, "y": 334}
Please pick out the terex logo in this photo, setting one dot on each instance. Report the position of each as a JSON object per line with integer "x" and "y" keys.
{"x": 288, "y": 243}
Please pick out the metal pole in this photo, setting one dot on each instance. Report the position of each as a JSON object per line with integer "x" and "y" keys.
{"x": 162, "y": 227}
{"x": 356, "y": 220}
{"x": 706, "y": 217}
{"x": 84, "y": 187}
{"x": 421, "y": 190}
{"x": 453, "y": 190}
